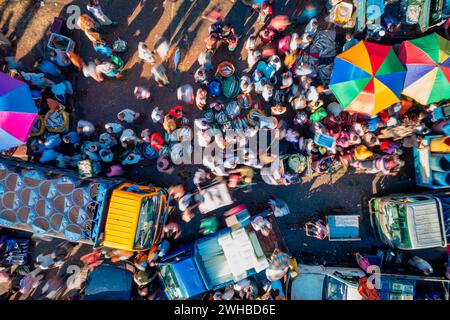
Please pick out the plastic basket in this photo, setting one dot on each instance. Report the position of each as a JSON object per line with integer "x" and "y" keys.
{"x": 69, "y": 44}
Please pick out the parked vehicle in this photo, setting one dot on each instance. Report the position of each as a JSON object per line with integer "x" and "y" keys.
{"x": 109, "y": 282}
{"x": 401, "y": 18}
{"x": 411, "y": 221}
{"x": 325, "y": 283}
{"x": 225, "y": 257}
{"x": 97, "y": 211}
{"x": 336, "y": 283}
{"x": 432, "y": 162}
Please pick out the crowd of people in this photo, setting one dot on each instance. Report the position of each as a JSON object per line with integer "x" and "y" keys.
{"x": 284, "y": 89}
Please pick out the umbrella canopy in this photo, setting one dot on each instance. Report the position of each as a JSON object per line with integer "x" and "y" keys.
{"x": 367, "y": 78}
{"x": 427, "y": 62}
{"x": 17, "y": 112}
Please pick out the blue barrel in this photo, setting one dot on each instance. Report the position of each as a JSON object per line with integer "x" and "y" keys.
{"x": 441, "y": 178}
{"x": 440, "y": 162}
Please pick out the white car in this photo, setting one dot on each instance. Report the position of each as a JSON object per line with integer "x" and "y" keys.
{"x": 325, "y": 283}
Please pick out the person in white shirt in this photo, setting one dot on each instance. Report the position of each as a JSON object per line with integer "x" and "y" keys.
{"x": 96, "y": 10}
{"x": 145, "y": 53}
{"x": 252, "y": 58}
{"x": 142, "y": 93}
{"x": 128, "y": 115}
{"x": 267, "y": 92}
{"x": 105, "y": 68}
{"x": 311, "y": 27}
{"x": 85, "y": 128}
{"x": 90, "y": 70}
{"x": 287, "y": 80}
{"x": 251, "y": 43}
{"x": 246, "y": 84}
{"x": 127, "y": 136}
{"x": 293, "y": 45}
{"x": 275, "y": 62}
{"x": 157, "y": 115}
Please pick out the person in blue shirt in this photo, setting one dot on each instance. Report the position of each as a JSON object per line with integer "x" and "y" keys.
{"x": 72, "y": 137}
{"x": 350, "y": 41}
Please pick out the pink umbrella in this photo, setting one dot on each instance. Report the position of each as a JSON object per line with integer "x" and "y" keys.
{"x": 17, "y": 112}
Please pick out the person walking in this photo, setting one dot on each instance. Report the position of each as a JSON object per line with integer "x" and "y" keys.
{"x": 96, "y": 10}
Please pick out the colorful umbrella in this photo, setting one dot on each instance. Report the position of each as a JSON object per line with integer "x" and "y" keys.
{"x": 427, "y": 62}
{"x": 17, "y": 112}
{"x": 367, "y": 78}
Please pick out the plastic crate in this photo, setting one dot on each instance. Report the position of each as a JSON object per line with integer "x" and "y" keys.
{"x": 69, "y": 43}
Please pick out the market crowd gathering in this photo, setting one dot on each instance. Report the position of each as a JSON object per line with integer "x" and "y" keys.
{"x": 321, "y": 120}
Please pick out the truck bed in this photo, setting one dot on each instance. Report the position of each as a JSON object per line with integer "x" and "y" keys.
{"x": 85, "y": 195}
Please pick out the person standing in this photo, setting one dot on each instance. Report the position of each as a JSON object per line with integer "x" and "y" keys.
{"x": 145, "y": 53}
{"x": 128, "y": 115}
{"x": 96, "y": 10}
{"x": 160, "y": 76}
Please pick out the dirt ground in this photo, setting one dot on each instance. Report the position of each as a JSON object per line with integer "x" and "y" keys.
{"x": 180, "y": 22}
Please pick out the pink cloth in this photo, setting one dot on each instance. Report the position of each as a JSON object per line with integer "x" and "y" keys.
{"x": 280, "y": 23}
{"x": 283, "y": 44}
{"x": 115, "y": 171}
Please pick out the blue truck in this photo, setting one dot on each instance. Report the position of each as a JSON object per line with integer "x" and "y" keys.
{"x": 225, "y": 257}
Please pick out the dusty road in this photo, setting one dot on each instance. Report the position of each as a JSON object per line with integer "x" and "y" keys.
{"x": 180, "y": 22}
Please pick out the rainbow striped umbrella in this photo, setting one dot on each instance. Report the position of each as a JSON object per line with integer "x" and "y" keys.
{"x": 427, "y": 62}
{"x": 17, "y": 112}
{"x": 367, "y": 78}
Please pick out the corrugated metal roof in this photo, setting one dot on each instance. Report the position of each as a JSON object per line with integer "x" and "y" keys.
{"x": 122, "y": 219}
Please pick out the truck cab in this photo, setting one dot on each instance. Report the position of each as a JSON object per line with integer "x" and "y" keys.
{"x": 135, "y": 217}
{"x": 410, "y": 221}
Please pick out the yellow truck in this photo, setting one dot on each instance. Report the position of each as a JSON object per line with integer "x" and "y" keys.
{"x": 102, "y": 212}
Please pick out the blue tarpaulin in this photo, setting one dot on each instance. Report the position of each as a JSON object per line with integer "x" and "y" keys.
{"x": 342, "y": 227}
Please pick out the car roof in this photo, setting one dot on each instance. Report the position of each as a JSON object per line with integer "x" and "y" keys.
{"x": 307, "y": 286}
